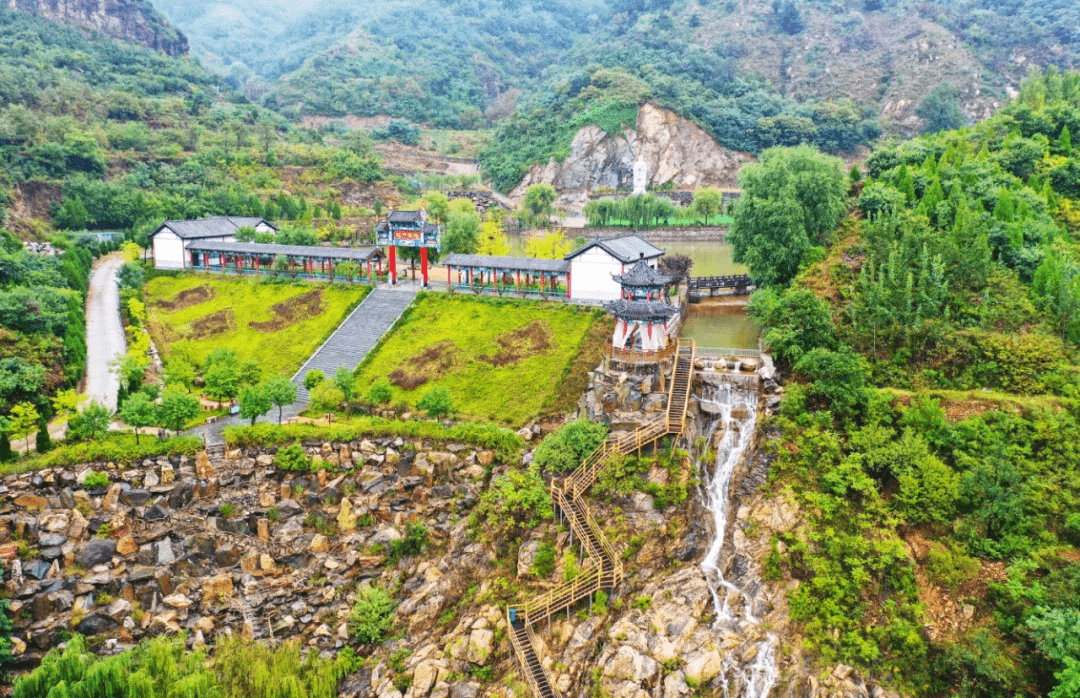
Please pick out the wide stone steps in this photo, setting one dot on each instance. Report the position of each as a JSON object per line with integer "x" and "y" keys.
{"x": 355, "y": 337}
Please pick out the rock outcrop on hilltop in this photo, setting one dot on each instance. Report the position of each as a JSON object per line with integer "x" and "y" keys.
{"x": 123, "y": 19}
{"x": 676, "y": 150}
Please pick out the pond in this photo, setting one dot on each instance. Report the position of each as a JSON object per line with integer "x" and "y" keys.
{"x": 720, "y": 323}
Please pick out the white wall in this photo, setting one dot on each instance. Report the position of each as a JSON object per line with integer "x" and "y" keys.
{"x": 590, "y": 276}
{"x": 263, "y": 228}
{"x": 169, "y": 252}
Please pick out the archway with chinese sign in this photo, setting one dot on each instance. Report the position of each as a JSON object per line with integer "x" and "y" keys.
{"x": 408, "y": 229}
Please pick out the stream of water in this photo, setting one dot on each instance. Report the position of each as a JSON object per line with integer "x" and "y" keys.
{"x": 735, "y": 405}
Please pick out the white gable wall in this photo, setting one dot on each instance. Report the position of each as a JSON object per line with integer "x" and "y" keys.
{"x": 264, "y": 228}
{"x": 169, "y": 252}
{"x": 590, "y": 275}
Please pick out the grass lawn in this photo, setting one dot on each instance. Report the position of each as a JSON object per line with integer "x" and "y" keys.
{"x": 502, "y": 360}
{"x": 278, "y": 325}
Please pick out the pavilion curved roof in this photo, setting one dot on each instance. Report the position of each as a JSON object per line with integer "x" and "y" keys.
{"x": 640, "y": 310}
{"x": 641, "y": 275}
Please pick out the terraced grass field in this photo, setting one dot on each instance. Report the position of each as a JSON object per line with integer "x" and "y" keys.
{"x": 502, "y": 360}
{"x": 277, "y": 325}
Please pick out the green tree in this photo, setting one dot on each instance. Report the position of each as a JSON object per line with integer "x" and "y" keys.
{"x": 796, "y": 322}
{"x": 43, "y": 442}
{"x": 492, "y": 240}
{"x": 281, "y": 391}
{"x": 791, "y": 201}
{"x": 565, "y": 449}
{"x": 372, "y": 615}
{"x": 707, "y": 201}
{"x": 313, "y": 378}
{"x": 538, "y": 205}
{"x": 92, "y": 421}
{"x": 178, "y": 407}
{"x": 941, "y": 110}
{"x": 222, "y": 381}
{"x": 437, "y": 402}
{"x": 139, "y": 411}
{"x": 548, "y": 245}
{"x": 326, "y": 397}
{"x": 1065, "y": 140}
{"x": 836, "y": 381}
{"x": 380, "y": 392}
{"x": 437, "y": 206}
{"x": 254, "y": 402}
{"x": 344, "y": 381}
{"x": 517, "y": 501}
{"x": 462, "y": 233}
{"x": 6, "y": 454}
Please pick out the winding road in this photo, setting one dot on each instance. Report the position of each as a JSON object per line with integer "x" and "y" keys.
{"x": 105, "y": 341}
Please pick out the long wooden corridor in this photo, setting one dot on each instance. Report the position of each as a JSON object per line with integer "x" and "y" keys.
{"x": 603, "y": 569}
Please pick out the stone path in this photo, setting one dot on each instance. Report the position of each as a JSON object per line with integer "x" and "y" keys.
{"x": 355, "y": 337}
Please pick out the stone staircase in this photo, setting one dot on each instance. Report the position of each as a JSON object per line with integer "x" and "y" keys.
{"x": 355, "y": 337}
{"x": 604, "y": 569}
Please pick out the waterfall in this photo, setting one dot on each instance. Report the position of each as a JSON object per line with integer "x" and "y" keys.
{"x": 734, "y": 403}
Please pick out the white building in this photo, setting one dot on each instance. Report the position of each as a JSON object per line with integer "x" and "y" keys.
{"x": 592, "y": 266}
{"x": 168, "y": 241}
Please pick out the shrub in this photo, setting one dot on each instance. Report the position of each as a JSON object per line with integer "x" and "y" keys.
{"x": 566, "y": 448}
{"x": 380, "y": 392}
{"x": 437, "y": 403}
{"x": 292, "y": 458}
{"x": 96, "y": 480}
{"x": 372, "y": 614}
{"x": 313, "y": 378}
{"x": 515, "y": 502}
{"x": 543, "y": 563}
{"x": 413, "y": 542}
{"x": 949, "y": 566}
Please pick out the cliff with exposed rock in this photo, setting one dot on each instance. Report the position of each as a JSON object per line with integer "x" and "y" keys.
{"x": 132, "y": 20}
{"x": 677, "y": 151}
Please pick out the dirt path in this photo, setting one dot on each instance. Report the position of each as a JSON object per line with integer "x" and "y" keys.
{"x": 105, "y": 340}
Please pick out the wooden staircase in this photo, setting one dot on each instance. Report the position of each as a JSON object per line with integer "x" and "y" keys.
{"x": 603, "y": 568}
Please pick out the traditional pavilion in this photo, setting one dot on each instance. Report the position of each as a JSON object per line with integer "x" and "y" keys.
{"x": 643, "y": 320}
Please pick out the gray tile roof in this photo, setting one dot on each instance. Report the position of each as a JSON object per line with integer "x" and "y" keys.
{"x": 625, "y": 248}
{"x": 403, "y": 216}
{"x": 640, "y": 310}
{"x": 530, "y": 264}
{"x": 214, "y": 227}
{"x": 358, "y": 254}
{"x": 641, "y": 275}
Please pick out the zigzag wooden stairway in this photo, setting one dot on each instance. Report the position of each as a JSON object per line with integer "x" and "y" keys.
{"x": 604, "y": 569}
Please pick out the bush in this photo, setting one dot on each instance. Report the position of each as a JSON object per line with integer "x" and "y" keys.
{"x": 372, "y": 615}
{"x": 515, "y": 502}
{"x": 313, "y": 378}
{"x": 413, "y": 543}
{"x": 565, "y": 449}
{"x": 96, "y": 480}
{"x": 292, "y": 458}
{"x": 543, "y": 563}
{"x": 380, "y": 392}
{"x": 949, "y": 566}
{"x": 437, "y": 403}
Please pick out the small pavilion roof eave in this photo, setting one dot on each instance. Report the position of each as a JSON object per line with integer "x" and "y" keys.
{"x": 642, "y": 275}
{"x": 640, "y": 311}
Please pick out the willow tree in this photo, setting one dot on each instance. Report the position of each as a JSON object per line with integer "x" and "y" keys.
{"x": 791, "y": 201}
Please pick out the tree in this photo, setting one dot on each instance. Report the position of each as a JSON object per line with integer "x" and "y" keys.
{"x": 795, "y": 321}
{"x": 326, "y": 397}
{"x": 492, "y": 240}
{"x": 437, "y": 402}
{"x": 281, "y": 391}
{"x": 462, "y": 233}
{"x": 245, "y": 233}
{"x": 549, "y": 245}
{"x": 178, "y": 407}
{"x": 537, "y": 207}
{"x": 380, "y": 392}
{"x": 517, "y": 501}
{"x": 222, "y": 381}
{"x": 788, "y": 17}
{"x": 313, "y": 378}
{"x": 791, "y": 201}
{"x": 67, "y": 402}
{"x": 941, "y": 110}
{"x": 707, "y": 201}
{"x": 6, "y": 455}
{"x": 676, "y": 266}
{"x": 139, "y": 411}
{"x": 564, "y": 450}
{"x": 343, "y": 379}
{"x": 43, "y": 442}
{"x": 254, "y": 402}
{"x": 91, "y": 421}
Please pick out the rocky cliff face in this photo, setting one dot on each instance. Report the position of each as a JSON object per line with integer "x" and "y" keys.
{"x": 133, "y": 20}
{"x": 676, "y": 150}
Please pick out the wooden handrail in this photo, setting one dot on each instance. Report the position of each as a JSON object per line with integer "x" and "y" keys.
{"x": 608, "y": 569}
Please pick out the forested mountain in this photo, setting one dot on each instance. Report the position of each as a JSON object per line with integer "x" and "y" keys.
{"x": 134, "y": 20}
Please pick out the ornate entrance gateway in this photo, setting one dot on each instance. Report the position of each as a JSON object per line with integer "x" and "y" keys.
{"x": 409, "y": 229}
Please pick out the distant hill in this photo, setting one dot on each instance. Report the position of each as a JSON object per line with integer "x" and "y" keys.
{"x": 134, "y": 20}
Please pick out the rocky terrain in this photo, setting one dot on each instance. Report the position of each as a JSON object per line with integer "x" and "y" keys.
{"x": 232, "y": 544}
{"x": 124, "y": 19}
{"x": 676, "y": 150}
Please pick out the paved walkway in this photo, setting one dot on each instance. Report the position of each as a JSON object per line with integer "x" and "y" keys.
{"x": 105, "y": 339}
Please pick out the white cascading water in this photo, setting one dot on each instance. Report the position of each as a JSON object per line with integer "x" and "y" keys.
{"x": 737, "y": 403}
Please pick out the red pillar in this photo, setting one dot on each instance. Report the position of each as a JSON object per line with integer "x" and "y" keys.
{"x": 423, "y": 265}
{"x": 567, "y": 283}
{"x": 448, "y": 278}
{"x": 519, "y": 282}
{"x": 393, "y": 264}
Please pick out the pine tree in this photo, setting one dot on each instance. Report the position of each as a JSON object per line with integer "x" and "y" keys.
{"x": 44, "y": 441}
{"x": 1065, "y": 140}
{"x": 6, "y": 454}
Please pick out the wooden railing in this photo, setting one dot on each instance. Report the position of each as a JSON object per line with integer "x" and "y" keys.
{"x": 640, "y": 357}
{"x": 607, "y": 570}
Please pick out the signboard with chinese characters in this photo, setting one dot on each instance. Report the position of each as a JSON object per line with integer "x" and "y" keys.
{"x": 428, "y": 236}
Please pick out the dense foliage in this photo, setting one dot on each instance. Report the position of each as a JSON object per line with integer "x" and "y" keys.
{"x": 955, "y": 279}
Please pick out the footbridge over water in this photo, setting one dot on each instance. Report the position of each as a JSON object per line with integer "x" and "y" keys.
{"x": 699, "y": 287}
